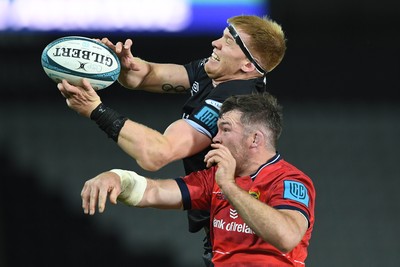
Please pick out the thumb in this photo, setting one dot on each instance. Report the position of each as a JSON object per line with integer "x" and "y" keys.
{"x": 86, "y": 85}
{"x": 114, "y": 195}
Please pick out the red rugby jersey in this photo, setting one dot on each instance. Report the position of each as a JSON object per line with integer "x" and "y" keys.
{"x": 276, "y": 183}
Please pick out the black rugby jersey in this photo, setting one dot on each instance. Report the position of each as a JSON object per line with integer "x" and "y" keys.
{"x": 202, "y": 108}
{"x": 201, "y": 111}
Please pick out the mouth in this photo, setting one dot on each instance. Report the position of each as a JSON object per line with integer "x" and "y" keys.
{"x": 214, "y": 57}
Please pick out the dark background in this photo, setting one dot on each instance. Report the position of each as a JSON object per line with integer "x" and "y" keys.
{"x": 338, "y": 84}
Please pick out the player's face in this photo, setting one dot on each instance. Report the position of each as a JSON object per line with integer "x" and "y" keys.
{"x": 231, "y": 134}
{"x": 227, "y": 59}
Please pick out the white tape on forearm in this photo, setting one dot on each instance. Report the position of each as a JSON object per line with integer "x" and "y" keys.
{"x": 132, "y": 186}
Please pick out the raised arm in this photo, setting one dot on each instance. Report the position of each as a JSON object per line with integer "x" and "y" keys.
{"x": 153, "y": 150}
{"x": 137, "y": 73}
{"x": 150, "y": 148}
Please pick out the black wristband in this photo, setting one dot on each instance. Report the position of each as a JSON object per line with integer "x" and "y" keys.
{"x": 110, "y": 121}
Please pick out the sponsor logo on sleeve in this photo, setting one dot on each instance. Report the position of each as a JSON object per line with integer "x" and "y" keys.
{"x": 209, "y": 117}
{"x": 296, "y": 191}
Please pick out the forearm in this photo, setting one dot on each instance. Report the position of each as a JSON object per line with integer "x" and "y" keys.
{"x": 155, "y": 77}
{"x": 147, "y": 146}
{"x": 133, "y": 78}
{"x": 142, "y": 192}
{"x": 162, "y": 194}
{"x": 153, "y": 150}
{"x": 273, "y": 226}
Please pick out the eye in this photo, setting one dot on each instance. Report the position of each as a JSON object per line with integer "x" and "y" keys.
{"x": 228, "y": 40}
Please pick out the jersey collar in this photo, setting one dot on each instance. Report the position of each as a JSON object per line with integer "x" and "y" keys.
{"x": 272, "y": 160}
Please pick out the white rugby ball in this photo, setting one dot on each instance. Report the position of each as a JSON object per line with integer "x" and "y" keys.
{"x": 74, "y": 57}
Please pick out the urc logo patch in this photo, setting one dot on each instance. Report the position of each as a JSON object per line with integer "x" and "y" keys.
{"x": 296, "y": 191}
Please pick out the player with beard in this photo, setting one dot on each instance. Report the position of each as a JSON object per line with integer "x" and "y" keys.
{"x": 261, "y": 206}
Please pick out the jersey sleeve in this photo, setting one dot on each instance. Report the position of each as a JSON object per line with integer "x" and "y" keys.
{"x": 196, "y": 189}
{"x": 195, "y": 68}
{"x": 294, "y": 192}
{"x": 205, "y": 116}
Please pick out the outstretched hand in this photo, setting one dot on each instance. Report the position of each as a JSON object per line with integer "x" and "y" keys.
{"x": 96, "y": 190}
{"x": 133, "y": 69}
{"x": 123, "y": 51}
{"x": 81, "y": 99}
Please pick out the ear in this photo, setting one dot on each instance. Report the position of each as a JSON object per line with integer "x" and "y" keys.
{"x": 248, "y": 67}
{"x": 258, "y": 139}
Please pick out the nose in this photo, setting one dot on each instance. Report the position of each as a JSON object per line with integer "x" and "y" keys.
{"x": 216, "y": 43}
{"x": 216, "y": 139}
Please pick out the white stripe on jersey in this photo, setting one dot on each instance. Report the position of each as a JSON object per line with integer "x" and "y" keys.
{"x": 198, "y": 127}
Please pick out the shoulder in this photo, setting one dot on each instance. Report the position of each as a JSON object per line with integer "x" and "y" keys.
{"x": 238, "y": 87}
{"x": 289, "y": 188}
{"x": 287, "y": 170}
{"x": 196, "y": 67}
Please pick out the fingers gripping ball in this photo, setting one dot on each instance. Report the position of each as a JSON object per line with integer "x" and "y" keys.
{"x": 74, "y": 57}
{"x": 132, "y": 187}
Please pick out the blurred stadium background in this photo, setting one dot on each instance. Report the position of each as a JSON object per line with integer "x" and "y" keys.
{"x": 338, "y": 84}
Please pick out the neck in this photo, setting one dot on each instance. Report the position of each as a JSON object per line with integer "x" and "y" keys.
{"x": 250, "y": 166}
{"x": 237, "y": 76}
{"x": 215, "y": 83}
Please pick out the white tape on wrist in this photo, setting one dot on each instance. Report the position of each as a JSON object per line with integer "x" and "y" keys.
{"x": 132, "y": 186}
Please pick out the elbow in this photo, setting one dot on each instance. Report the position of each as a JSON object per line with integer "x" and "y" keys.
{"x": 154, "y": 162}
{"x": 149, "y": 166}
{"x": 285, "y": 242}
{"x": 285, "y": 246}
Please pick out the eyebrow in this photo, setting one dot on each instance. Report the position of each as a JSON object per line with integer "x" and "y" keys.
{"x": 222, "y": 123}
{"x": 244, "y": 48}
{"x": 227, "y": 34}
